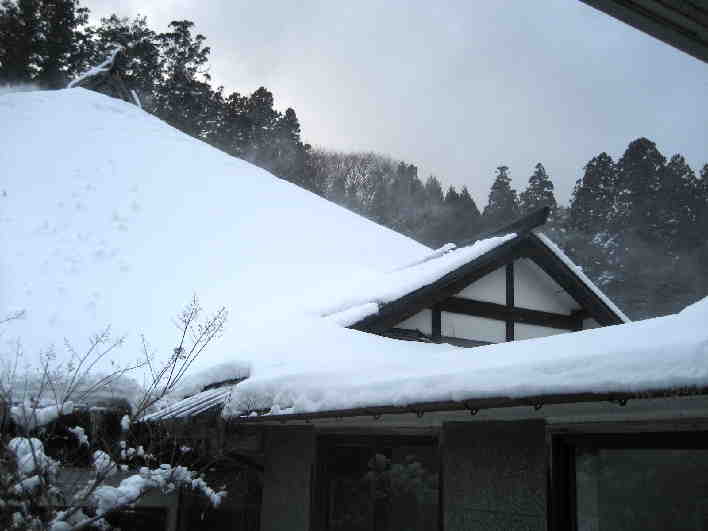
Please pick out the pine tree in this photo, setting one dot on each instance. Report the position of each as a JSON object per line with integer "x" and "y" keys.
{"x": 591, "y": 205}
{"x": 503, "y": 205}
{"x": 539, "y": 192}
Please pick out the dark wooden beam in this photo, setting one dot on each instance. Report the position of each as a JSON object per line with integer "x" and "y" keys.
{"x": 491, "y": 310}
{"x": 392, "y": 313}
{"x": 519, "y": 227}
{"x": 569, "y": 281}
{"x": 437, "y": 323}
{"x": 510, "y": 301}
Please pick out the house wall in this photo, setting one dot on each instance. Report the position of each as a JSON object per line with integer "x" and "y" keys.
{"x": 422, "y": 321}
{"x": 534, "y": 289}
{"x": 289, "y": 460}
{"x": 494, "y": 476}
{"x": 527, "y": 331}
{"x": 470, "y": 327}
{"x": 489, "y": 288}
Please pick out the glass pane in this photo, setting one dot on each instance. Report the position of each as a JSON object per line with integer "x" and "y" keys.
{"x": 412, "y": 497}
{"x": 642, "y": 490}
{"x": 389, "y": 490}
{"x": 350, "y": 498}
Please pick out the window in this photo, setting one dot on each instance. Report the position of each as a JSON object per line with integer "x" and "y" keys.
{"x": 646, "y": 482}
{"x": 377, "y": 484}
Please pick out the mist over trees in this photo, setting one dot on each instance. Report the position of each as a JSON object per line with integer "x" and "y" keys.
{"x": 636, "y": 225}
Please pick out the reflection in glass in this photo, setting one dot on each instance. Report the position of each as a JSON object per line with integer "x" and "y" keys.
{"x": 642, "y": 489}
{"x": 386, "y": 490}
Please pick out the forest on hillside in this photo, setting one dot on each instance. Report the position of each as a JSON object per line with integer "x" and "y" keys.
{"x": 636, "y": 224}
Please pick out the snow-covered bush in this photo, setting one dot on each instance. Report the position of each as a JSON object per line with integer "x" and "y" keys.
{"x": 37, "y": 445}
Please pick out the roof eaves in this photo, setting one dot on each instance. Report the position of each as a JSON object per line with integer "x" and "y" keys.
{"x": 475, "y": 405}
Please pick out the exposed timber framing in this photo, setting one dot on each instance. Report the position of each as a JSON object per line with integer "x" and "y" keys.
{"x": 569, "y": 281}
{"x": 524, "y": 245}
{"x": 436, "y": 325}
{"x": 510, "y": 301}
{"x": 513, "y": 314}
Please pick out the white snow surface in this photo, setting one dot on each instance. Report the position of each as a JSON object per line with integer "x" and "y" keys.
{"x": 656, "y": 354}
{"x": 109, "y": 216}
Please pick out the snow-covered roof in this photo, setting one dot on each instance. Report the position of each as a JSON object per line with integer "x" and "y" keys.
{"x": 108, "y": 216}
{"x": 655, "y": 355}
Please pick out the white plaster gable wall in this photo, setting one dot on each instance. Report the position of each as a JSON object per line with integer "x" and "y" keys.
{"x": 535, "y": 290}
{"x": 489, "y": 288}
{"x": 422, "y": 321}
{"x": 470, "y": 327}
{"x": 527, "y": 331}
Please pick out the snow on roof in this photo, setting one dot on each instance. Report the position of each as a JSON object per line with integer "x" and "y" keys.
{"x": 656, "y": 354}
{"x": 582, "y": 276}
{"x": 199, "y": 403}
{"x": 109, "y": 216}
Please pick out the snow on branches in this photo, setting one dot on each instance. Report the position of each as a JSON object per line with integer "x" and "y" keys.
{"x": 43, "y": 444}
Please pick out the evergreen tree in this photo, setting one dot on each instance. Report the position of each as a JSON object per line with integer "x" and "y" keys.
{"x": 60, "y": 43}
{"x": 539, "y": 192}
{"x": 468, "y": 205}
{"x": 468, "y": 217}
{"x": 139, "y": 64}
{"x": 451, "y": 196}
{"x": 593, "y": 198}
{"x": 262, "y": 120}
{"x": 503, "y": 205}
{"x": 287, "y": 150}
{"x": 183, "y": 97}
{"x": 639, "y": 175}
{"x": 19, "y": 37}
{"x": 678, "y": 204}
{"x": 433, "y": 191}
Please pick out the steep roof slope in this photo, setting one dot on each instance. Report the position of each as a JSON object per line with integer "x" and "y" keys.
{"x": 108, "y": 216}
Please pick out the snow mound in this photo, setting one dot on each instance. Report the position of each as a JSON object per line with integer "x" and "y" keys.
{"x": 109, "y": 216}
{"x": 663, "y": 353}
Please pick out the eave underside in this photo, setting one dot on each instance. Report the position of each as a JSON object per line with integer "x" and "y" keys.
{"x": 681, "y": 24}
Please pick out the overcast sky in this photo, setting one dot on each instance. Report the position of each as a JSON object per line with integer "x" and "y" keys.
{"x": 456, "y": 88}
